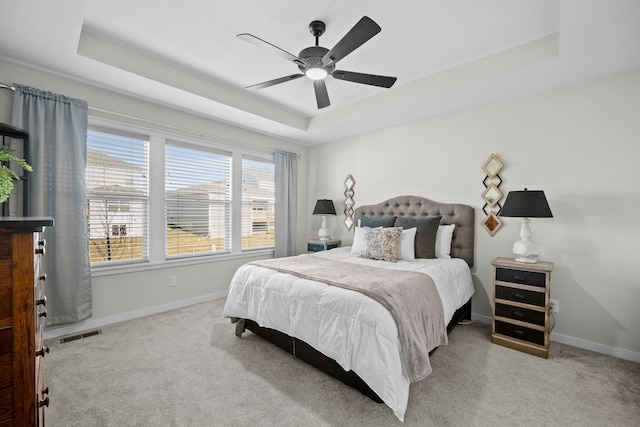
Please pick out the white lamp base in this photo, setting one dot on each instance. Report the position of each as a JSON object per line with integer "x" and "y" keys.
{"x": 323, "y": 233}
{"x": 525, "y": 249}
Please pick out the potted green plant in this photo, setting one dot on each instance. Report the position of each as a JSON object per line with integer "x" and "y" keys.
{"x": 7, "y": 176}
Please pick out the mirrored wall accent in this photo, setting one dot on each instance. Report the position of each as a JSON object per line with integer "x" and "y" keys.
{"x": 492, "y": 223}
{"x": 349, "y": 202}
{"x": 492, "y": 194}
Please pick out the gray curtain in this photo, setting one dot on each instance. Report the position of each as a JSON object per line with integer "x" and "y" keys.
{"x": 57, "y": 127}
{"x": 286, "y": 203}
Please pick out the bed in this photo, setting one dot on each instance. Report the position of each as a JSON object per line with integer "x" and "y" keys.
{"x": 350, "y": 334}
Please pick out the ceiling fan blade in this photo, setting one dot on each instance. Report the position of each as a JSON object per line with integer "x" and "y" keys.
{"x": 273, "y": 48}
{"x": 322, "y": 96}
{"x": 275, "y": 81}
{"x": 367, "y": 79}
{"x": 356, "y": 37}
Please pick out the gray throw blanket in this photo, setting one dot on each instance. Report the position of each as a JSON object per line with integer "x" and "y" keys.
{"x": 411, "y": 298}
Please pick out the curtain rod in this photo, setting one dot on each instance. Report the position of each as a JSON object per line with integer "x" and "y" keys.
{"x": 178, "y": 128}
{"x": 202, "y": 135}
{"x": 289, "y": 153}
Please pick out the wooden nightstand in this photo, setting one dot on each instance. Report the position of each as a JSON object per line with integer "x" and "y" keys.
{"x": 321, "y": 245}
{"x": 521, "y": 305}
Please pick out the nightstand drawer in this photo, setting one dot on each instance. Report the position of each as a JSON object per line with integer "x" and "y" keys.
{"x": 311, "y": 247}
{"x": 520, "y": 332}
{"x": 322, "y": 245}
{"x": 520, "y": 295}
{"x": 518, "y": 313}
{"x": 522, "y": 277}
{"x": 315, "y": 248}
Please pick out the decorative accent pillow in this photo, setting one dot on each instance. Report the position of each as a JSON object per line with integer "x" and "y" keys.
{"x": 443, "y": 240}
{"x": 358, "y": 240}
{"x": 385, "y": 221}
{"x": 406, "y": 250}
{"x": 382, "y": 243}
{"x": 425, "y": 244}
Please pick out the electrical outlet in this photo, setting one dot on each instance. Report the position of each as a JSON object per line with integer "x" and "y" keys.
{"x": 554, "y": 306}
{"x": 172, "y": 280}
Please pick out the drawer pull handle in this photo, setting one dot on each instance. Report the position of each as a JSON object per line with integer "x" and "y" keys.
{"x": 44, "y": 402}
{"x": 43, "y": 350}
{"x": 42, "y": 301}
{"x": 40, "y": 251}
{"x": 43, "y": 277}
{"x": 518, "y": 278}
{"x": 45, "y": 391}
{"x": 43, "y": 313}
{"x": 518, "y": 332}
{"x": 518, "y": 314}
{"x": 519, "y": 297}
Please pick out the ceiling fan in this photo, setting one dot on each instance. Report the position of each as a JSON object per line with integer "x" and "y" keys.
{"x": 317, "y": 62}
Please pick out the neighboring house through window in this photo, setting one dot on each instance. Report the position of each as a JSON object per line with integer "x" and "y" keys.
{"x": 258, "y": 203}
{"x": 197, "y": 200}
{"x": 117, "y": 196}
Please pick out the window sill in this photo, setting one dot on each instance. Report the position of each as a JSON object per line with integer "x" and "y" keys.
{"x": 108, "y": 270}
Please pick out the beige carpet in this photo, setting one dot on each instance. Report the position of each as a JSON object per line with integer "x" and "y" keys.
{"x": 187, "y": 368}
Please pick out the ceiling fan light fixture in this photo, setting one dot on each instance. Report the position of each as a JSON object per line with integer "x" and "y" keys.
{"x": 316, "y": 73}
{"x": 317, "y": 62}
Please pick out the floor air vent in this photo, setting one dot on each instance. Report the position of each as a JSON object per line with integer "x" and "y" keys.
{"x": 77, "y": 337}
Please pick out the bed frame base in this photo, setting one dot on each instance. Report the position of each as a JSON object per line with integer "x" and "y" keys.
{"x": 313, "y": 357}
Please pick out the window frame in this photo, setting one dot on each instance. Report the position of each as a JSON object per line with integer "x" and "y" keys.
{"x": 226, "y": 205}
{"x": 121, "y": 200}
{"x": 253, "y": 204}
{"x": 156, "y": 206}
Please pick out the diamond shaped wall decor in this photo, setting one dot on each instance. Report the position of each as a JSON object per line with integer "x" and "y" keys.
{"x": 492, "y": 194}
{"x": 349, "y": 203}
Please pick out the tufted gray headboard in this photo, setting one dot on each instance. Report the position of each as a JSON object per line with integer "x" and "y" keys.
{"x": 463, "y": 216}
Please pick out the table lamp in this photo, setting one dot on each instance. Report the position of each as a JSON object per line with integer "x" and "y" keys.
{"x": 324, "y": 207}
{"x": 526, "y": 204}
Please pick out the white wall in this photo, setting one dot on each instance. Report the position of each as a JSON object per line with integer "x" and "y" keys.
{"x": 580, "y": 144}
{"x": 121, "y": 296}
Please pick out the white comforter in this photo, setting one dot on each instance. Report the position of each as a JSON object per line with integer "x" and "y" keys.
{"x": 347, "y": 326}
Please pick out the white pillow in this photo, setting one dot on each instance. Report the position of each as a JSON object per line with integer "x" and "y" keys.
{"x": 406, "y": 250}
{"x": 443, "y": 240}
{"x": 358, "y": 240}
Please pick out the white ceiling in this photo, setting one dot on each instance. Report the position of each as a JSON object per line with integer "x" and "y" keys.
{"x": 446, "y": 54}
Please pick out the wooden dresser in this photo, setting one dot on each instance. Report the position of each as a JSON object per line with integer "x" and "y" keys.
{"x": 521, "y": 305}
{"x": 23, "y": 395}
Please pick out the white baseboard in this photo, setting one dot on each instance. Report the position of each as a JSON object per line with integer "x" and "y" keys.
{"x": 85, "y": 325}
{"x": 578, "y": 342}
{"x": 482, "y": 319}
{"x": 594, "y": 346}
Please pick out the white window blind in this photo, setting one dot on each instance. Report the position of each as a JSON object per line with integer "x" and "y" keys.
{"x": 258, "y": 203}
{"x": 197, "y": 200}
{"x": 117, "y": 196}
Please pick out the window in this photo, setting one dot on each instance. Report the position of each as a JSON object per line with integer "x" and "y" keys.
{"x": 197, "y": 200}
{"x": 153, "y": 198}
{"x": 117, "y": 196}
{"x": 258, "y": 203}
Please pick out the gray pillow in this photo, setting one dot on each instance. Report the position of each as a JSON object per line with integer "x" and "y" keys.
{"x": 384, "y": 221}
{"x": 425, "y": 235}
